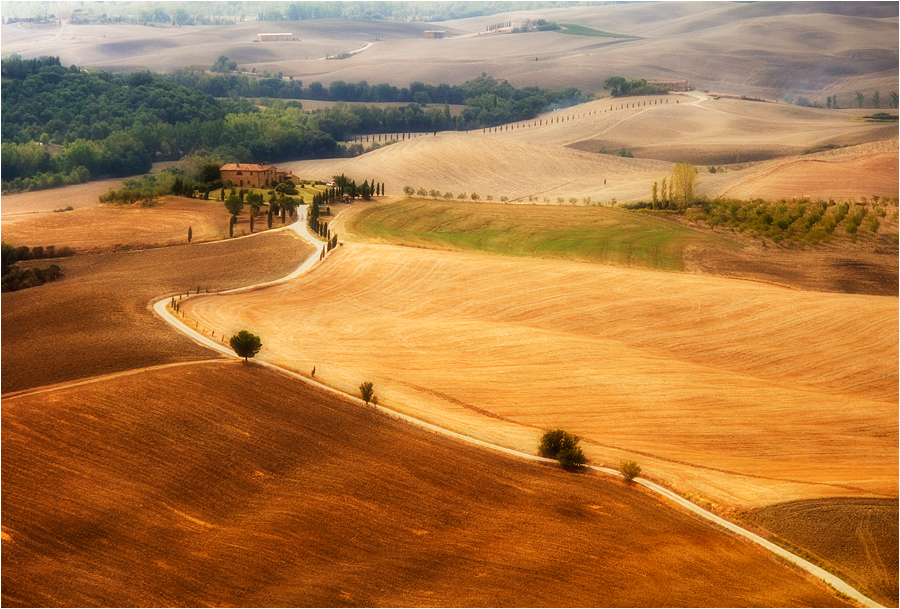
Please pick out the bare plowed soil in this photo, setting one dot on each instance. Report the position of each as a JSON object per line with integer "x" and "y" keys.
{"x": 96, "y": 320}
{"x": 223, "y": 484}
{"x": 858, "y": 536}
{"x": 745, "y": 392}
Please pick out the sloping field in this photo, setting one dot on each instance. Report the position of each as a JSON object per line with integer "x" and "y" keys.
{"x": 476, "y": 163}
{"x": 658, "y": 122}
{"x": 857, "y": 546}
{"x": 710, "y": 383}
{"x": 95, "y": 320}
{"x": 26, "y": 205}
{"x": 525, "y": 159}
{"x": 793, "y": 49}
{"x": 124, "y": 47}
{"x": 838, "y": 174}
{"x": 585, "y": 234}
{"x": 222, "y": 483}
{"x": 103, "y": 227}
{"x": 705, "y": 130}
{"x": 614, "y": 236}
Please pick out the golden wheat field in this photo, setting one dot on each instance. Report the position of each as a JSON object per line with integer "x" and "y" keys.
{"x": 713, "y": 381}
{"x": 784, "y": 152}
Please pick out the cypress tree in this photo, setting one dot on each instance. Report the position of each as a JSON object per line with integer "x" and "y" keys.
{"x": 269, "y": 220}
{"x": 190, "y": 233}
{"x": 231, "y": 226}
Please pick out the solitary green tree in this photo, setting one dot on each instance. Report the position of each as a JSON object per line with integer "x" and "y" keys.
{"x": 190, "y": 233}
{"x": 368, "y": 392}
{"x": 876, "y": 99}
{"x": 246, "y": 345}
{"x": 683, "y": 179}
{"x": 860, "y": 98}
{"x": 234, "y": 204}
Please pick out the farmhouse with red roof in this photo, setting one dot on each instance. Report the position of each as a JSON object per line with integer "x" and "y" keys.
{"x": 249, "y": 175}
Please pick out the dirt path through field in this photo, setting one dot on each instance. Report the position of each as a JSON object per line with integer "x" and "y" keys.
{"x": 99, "y": 379}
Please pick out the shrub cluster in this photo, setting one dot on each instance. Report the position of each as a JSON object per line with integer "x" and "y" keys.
{"x": 629, "y": 470}
{"x": 796, "y": 222}
{"x": 563, "y": 446}
{"x": 18, "y": 278}
{"x": 197, "y": 178}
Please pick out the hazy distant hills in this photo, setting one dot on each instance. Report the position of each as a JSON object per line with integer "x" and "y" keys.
{"x": 767, "y": 49}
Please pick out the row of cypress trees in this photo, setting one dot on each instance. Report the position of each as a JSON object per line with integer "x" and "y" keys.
{"x": 342, "y": 186}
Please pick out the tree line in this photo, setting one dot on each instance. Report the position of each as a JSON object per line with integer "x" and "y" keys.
{"x": 14, "y": 277}
{"x": 620, "y": 87}
{"x": 252, "y": 85}
{"x": 65, "y": 125}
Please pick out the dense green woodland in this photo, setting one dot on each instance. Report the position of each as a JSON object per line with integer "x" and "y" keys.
{"x": 64, "y": 125}
{"x": 251, "y": 85}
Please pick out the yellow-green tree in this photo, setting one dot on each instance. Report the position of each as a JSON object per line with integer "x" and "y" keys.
{"x": 684, "y": 178}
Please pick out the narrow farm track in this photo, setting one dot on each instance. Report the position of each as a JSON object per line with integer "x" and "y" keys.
{"x": 160, "y": 308}
{"x": 99, "y": 379}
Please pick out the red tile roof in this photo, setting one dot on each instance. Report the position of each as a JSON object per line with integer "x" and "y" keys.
{"x": 245, "y": 167}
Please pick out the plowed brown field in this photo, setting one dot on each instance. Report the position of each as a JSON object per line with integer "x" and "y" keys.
{"x": 225, "y": 484}
{"x": 862, "y": 542}
{"x": 746, "y": 393}
{"x": 95, "y": 320}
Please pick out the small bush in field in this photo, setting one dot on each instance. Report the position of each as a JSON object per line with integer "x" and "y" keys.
{"x": 629, "y": 470}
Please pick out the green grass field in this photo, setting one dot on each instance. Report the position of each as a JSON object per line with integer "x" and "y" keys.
{"x": 581, "y": 30}
{"x": 588, "y": 234}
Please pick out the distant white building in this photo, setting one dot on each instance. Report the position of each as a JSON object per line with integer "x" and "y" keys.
{"x": 434, "y": 33}
{"x": 288, "y": 36}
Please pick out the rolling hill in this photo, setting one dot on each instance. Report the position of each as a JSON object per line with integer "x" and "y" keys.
{"x": 220, "y": 483}
{"x": 794, "y": 49}
{"x": 707, "y": 380}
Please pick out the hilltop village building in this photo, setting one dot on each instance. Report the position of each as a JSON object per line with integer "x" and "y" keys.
{"x": 248, "y": 175}
{"x": 275, "y": 37}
